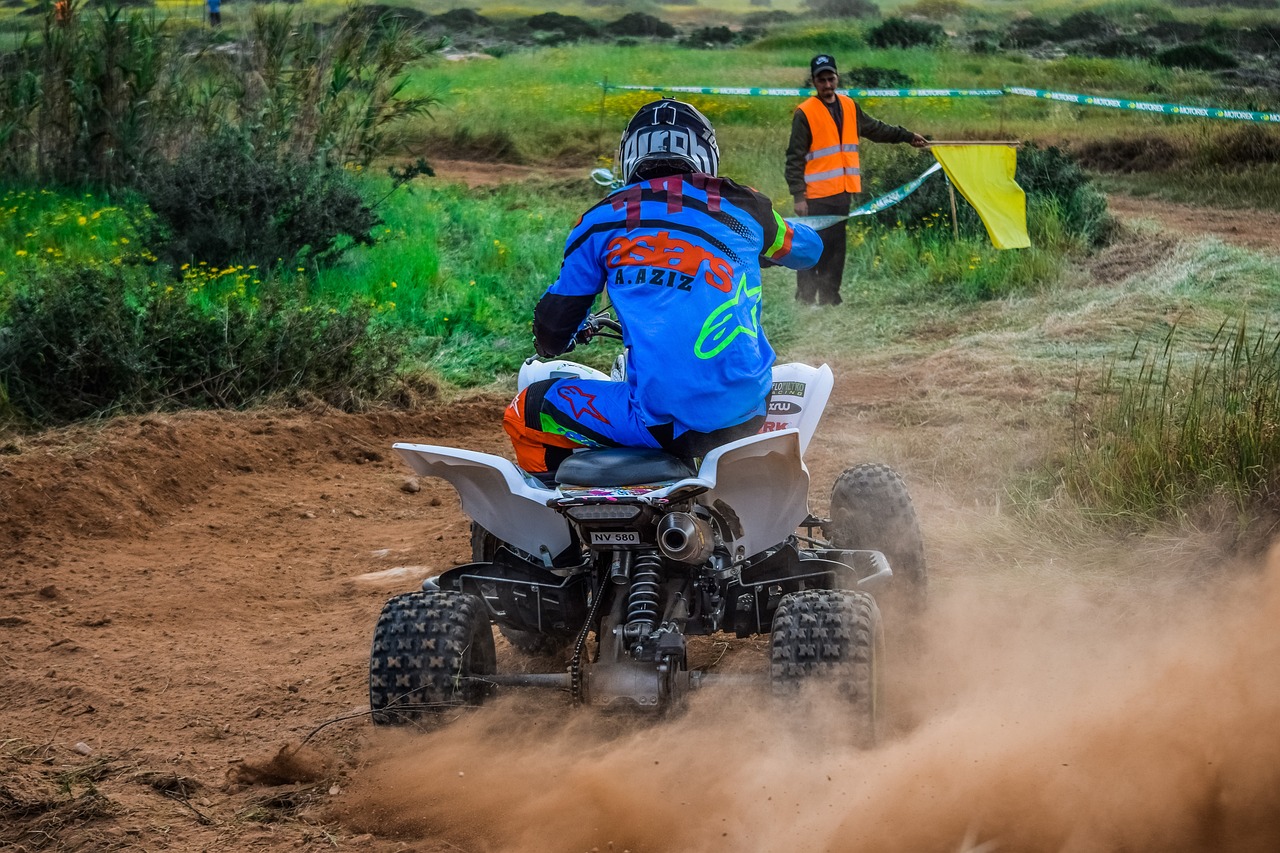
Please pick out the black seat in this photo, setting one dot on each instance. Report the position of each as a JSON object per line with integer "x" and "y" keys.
{"x": 621, "y": 466}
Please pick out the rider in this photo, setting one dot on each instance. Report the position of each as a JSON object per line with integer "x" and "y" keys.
{"x": 680, "y": 251}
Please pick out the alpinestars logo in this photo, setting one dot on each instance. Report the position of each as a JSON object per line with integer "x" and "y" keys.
{"x": 580, "y": 402}
{"x": 740, "y": 315}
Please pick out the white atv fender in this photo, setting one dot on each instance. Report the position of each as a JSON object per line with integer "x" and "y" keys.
{"x": 762, "y": 478}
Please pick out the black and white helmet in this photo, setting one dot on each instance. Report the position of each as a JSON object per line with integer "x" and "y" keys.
{"x": 668, "y": 132}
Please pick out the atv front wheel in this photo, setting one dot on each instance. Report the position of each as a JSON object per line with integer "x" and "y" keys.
{"x": 832, "y": 637}
{"x": 871, "y": 510}
{"x": 431, "y": 651}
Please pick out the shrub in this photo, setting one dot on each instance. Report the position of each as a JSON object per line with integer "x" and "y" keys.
{"x": 462, "y": 19}
{"x": 843, "y": 8}
{"x": 1120, "y": 46}
{"x": 899, "y": 32}
{"x": 873, "y": 77}
{"x": 640, "y": 24}
{"x": 1203, "y": 56}
{"x": 222, "y": 202}
{"x": 710, "y": 36}
{"x": 1053, "y": 174}
{"x": 81, "y": 342}
{"x": 571, "y": 26}
{"x": 1029, "y": 32}
{"x": 1084, "y": 25}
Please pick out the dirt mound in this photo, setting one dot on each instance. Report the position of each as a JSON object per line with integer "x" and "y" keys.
{"x": 128, "y": 476}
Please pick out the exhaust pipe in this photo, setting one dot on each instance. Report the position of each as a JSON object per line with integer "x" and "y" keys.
{"x": 685, "y": 538}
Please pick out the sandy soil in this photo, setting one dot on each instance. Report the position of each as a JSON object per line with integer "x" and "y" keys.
{"x": 1253, "y": 229}
{"x": 185, "y": 599}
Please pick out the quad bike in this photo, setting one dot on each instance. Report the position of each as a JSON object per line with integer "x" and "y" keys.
{"x": 631, "y": 551}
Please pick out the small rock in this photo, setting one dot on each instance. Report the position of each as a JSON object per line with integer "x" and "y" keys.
{"x": 307, "y": 514}
{"x": 435, "y": 502}
{"x": 83, "y": 748}
{"x": 411, "y": 485}
{"x": 334, "y": 790}
{"x": 49, "y": 591}
{"x": 357, "y": 513}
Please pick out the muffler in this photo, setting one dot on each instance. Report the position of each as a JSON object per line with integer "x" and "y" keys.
{"x": 685, "y": 538}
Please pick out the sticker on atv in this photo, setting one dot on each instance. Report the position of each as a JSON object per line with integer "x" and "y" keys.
{"x": 622, "y": 537}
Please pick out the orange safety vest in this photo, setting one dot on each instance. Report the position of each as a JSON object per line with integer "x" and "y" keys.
{"x": 831, "y": 166}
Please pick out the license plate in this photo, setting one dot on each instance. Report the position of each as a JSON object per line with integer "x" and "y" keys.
{"x": 623, "y": 537}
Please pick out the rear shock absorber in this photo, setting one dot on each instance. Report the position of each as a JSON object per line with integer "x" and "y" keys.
{"x": 643, "y": 600}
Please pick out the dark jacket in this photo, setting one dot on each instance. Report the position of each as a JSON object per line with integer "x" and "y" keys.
{"x": 802, "y": 138}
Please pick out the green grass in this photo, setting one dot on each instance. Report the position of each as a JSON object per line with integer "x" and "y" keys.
{"x": 1199, "y": 421}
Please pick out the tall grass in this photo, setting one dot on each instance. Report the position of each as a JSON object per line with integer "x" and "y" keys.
{"x": 1189, "y": 427}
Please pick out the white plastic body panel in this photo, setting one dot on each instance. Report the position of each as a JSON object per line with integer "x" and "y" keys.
{"x": 800, "y": 395}
{"x": 765, "y": 481}
{"x": 761, "y": 477}
{"x": 534, "y": 370}
{"x": 496, "y": 494}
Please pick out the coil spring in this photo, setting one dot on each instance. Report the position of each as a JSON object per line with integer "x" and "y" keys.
{"x": 642, "y": 602}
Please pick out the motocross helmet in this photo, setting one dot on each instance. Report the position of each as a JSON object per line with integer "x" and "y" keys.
{"x": 667, "y": 137}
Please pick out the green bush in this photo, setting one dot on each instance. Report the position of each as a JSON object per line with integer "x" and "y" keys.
{"x": 899, "y": 32}
{"x": 640, "y": 24}
{"x": 222, "y": 202}
{"x": 872, "y": 77}
{"x": 82, "y": 342}
{"x": 1052, "y": 174}
{"x": 1029, "y": 32}
{"x": 709, "y": 36}
{"x": 1203, "y": 56}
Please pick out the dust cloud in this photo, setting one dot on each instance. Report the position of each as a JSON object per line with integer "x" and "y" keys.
{"x": 1069, "y": 719}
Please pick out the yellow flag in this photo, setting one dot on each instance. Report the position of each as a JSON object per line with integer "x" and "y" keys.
{"x": 984, "y": 176}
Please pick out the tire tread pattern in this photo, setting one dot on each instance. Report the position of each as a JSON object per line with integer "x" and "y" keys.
{"x": 425, "y": 647}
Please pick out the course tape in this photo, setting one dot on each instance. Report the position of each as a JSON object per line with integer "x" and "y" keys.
{"x": 1146, "y": 106}
{"x": 818, "y": 223}
{"x": 1083, "y": 100}
{"x": 804, "y": 93}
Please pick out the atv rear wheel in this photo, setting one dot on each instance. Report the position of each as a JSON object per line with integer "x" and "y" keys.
{"x": 871, "y": 509}
{"x": 431, "y": 651}
{"x": 832, "y": 637}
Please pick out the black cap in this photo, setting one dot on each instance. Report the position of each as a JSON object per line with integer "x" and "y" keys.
{"x": 822, "y": 62}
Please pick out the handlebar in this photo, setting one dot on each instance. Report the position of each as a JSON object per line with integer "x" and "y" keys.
{"x": 599, "y": 325}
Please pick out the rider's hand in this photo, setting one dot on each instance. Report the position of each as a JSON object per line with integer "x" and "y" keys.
{"x": 588, "y": 330}
{"x": 802, "y": 207}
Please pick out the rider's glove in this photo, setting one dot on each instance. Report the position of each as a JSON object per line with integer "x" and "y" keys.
{"x": 588, "y": 330}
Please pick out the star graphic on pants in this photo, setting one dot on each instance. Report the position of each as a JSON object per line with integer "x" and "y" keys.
{"x": 580, "y": 402}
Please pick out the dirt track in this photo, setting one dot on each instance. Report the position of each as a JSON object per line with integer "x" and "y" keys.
{"x": 184, "y": 598}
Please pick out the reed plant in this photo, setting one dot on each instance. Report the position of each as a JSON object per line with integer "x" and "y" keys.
{"x": 1195, "y": 424}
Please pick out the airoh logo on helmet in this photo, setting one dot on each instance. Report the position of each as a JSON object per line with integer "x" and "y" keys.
{"x": 668, "y": 134}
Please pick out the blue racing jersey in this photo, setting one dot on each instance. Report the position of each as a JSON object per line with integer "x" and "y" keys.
{"x": 681, "y": 258}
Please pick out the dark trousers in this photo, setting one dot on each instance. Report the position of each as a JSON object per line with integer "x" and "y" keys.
{"x": 821, "y": 283}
